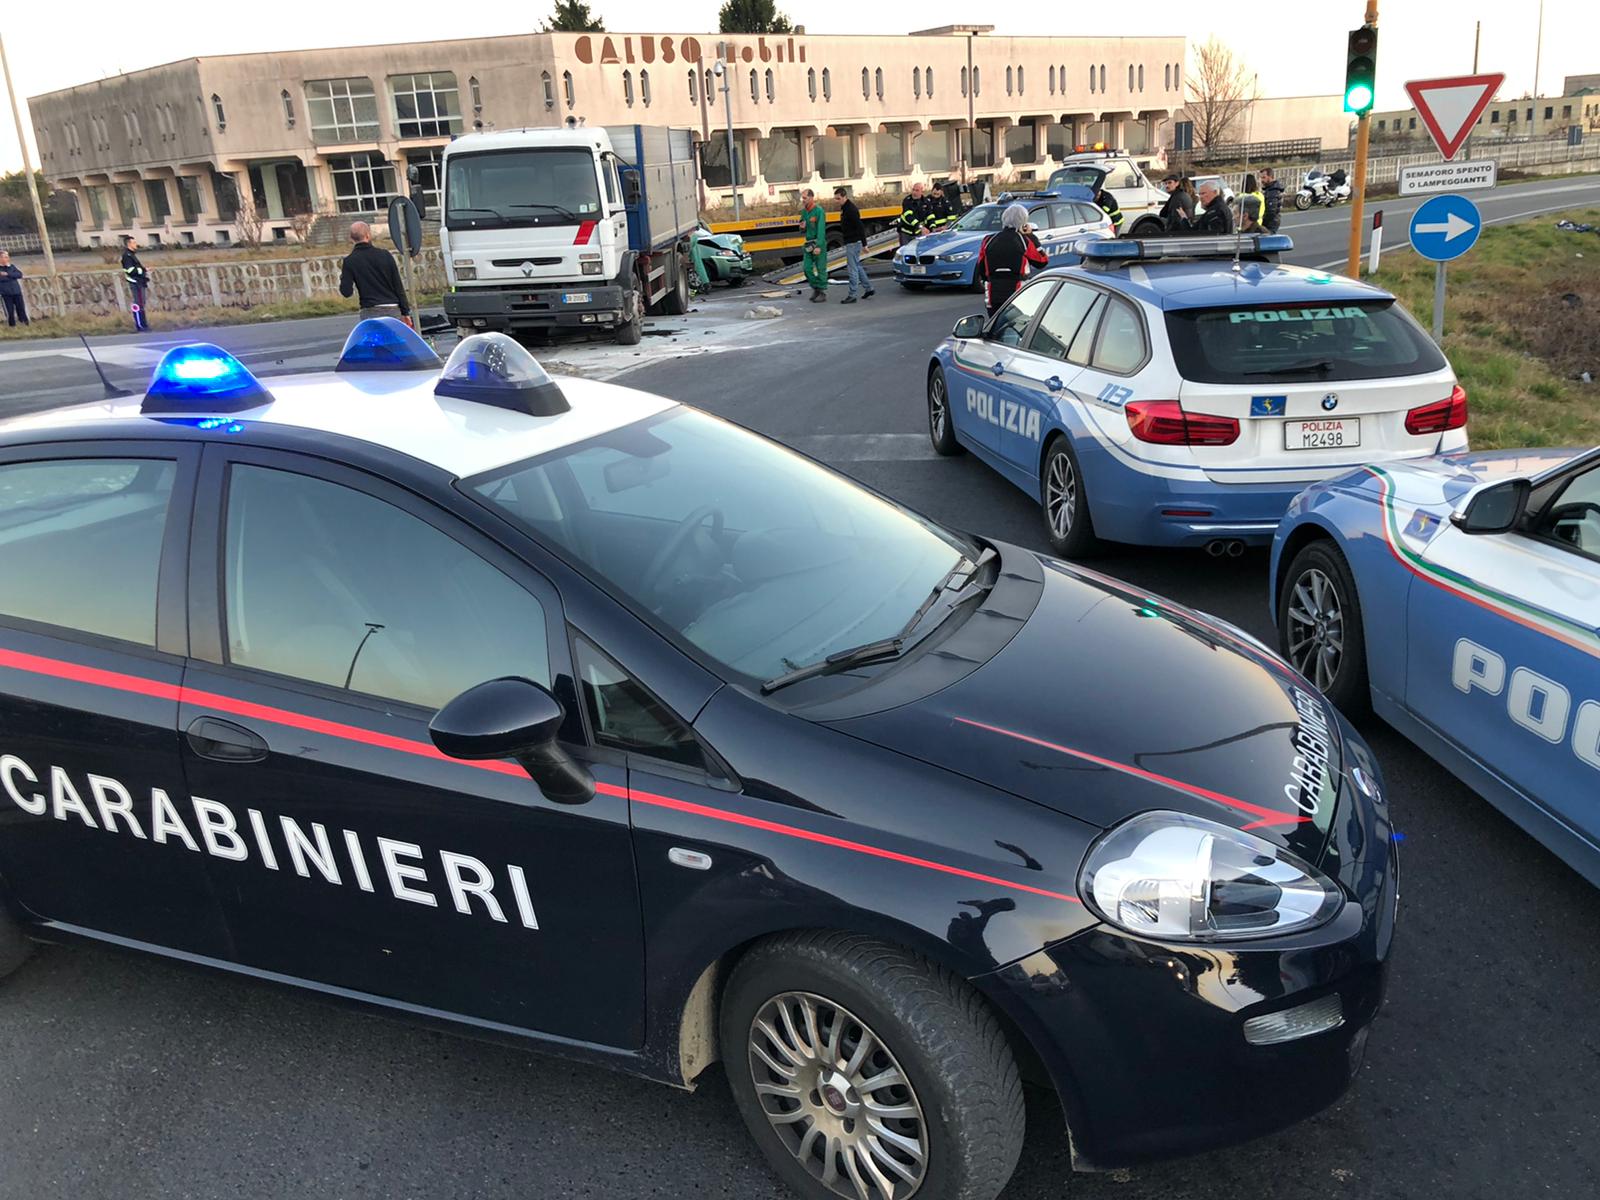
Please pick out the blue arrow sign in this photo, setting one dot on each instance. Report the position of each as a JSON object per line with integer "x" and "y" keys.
{"x": 1445, "y": 227}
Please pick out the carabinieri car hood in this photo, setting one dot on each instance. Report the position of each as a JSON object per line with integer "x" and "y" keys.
{"x": 1108, "y": 702}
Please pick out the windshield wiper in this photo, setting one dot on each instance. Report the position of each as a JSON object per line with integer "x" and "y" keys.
{"x": 1298, "y": 369}
{"x": 493, "y": 212}
{"x": 555, "y": 208}
{"x": 839, "y": 660}
{"x": 889, "y": 648}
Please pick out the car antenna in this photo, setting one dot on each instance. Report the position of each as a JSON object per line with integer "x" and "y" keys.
{"x": 112, "y": 391}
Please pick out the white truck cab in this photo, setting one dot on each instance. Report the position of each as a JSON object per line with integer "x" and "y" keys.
{"x": 559, "y": 228}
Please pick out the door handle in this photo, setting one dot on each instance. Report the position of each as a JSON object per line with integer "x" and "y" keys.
{"x": 999, "y": 368}
{"x": 214, "y": 738}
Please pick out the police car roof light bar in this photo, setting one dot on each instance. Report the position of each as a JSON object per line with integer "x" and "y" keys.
{"x": 201, "y": 378}
{"x": 1110, "y": 251}
{"x": 385, "y": 344}
{"x": 491, "y": 368}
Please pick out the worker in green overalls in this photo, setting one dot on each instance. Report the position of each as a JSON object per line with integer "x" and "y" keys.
{"x": 814, "y": 256}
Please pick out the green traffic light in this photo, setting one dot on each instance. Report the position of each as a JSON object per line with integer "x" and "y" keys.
{"x": 1358, "y": 99}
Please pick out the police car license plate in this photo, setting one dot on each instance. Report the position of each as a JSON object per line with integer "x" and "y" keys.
{"x": 918, "y": 269}
{"x": 576, "y": 297}
{"x": 1322, "y": 434}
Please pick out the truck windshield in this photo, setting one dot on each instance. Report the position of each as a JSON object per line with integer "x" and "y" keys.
{"x": 503, "y": 188}
{"x": 758, "y": 558}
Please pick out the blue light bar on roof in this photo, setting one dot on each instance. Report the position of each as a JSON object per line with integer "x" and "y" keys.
{"x": 491, "y": 368}
{"x": 202, "y": 378}
{"x": 1150, "y": 249}
{"x": 385, "y": 344}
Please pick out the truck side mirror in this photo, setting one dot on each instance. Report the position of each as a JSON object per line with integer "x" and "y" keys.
{"x": 1497, "y": 508}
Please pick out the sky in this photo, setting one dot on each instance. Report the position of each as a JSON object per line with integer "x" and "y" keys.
{"x": 1297, "y": 49}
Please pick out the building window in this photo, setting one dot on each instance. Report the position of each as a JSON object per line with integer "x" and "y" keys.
{"x": 1494, "y": 117}
{"x": 1549, "y": 112}
{"x": 1382, "y": 125}
{"x": 877, "y": 77}
{"x": 963, "y": 81}
{"x": 811, "y": 83}
{"x": 1008, "y": 81}
{"x": 216, "y": 107}
{"x": 755, "y": 87}
{"x": 977, "y": 81}
{"x": 1130, "y": 77}
{"x": 927, "y": 81}
{"x": 627, "y": 88}
{"x": 426, "y": 104}
{"x": 477, "y": 94}
{"x": 157, "y": 205}
{"x": 1141, "y": 77}
{"x": 566, "y": 86}
{"x": 362, "y": 183}
{"x": 1052, "y": 79}
{"x": 644, "y": 87}
{"x": 1412, "y": 123}
{"x": 1513, "y": 114}
{"x": 1091, "y": 79}
{"x": 97, "y": 126}
{"x": 127, "y": 126}
{"x": 189, "y": 198}
{"x": 1566, "y": 111}
{"x": 780, "y": 156}
{"x": 430, "y": 170}
{"x": 1166, "y": 77}
{"x": 771, "y": 88}
{"x": 916, "y": 83}
{"x": 97, "y": 206}
{"x": 1022, "y": 83}
{"x": 827, "y": 84}
{"x": 1102, "y": 77}
{"x": 161, "y": 121}
{"x": 549, "y": 86}
{"x": 866, "y": 84}
{"x": 694, "y": 86}
{"x": 342, "y": 110}
{"x": 126, "y": 195}
{"x": 710, "y": 88}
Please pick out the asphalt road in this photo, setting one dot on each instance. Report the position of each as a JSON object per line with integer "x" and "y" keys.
{"x": 130, "y": 1078}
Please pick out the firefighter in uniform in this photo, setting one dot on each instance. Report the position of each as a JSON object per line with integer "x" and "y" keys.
{"x": 1112, "y": 209}
{"x": 138, "y": 280}
{"x": 940, "y": 215}
{"x": 914, "y": 213}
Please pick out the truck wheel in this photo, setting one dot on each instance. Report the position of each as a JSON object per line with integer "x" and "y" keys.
{"x": 676, "y": 302}
{"x": 863, "y": 1070}
{"x": 15, "y": 947}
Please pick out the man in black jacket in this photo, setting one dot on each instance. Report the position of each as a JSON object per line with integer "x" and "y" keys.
{"x": 853, "y": 234}
{"x": 1215, "y": 218}
{"x": 138, "y": 280}
{"x": 914, "y": 213}
{"x": 1273, "y": 191}
{"x": 372, "y": 274}
{"x": 1177, "y": 214}
{"x": 11, "y": 290}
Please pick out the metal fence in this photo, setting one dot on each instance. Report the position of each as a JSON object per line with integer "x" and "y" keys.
{"x": 208, "y": 285}
{"x": 1553, "y": 156}
{"x": 28, "y": 243}
{"x": 1248, "y": 152}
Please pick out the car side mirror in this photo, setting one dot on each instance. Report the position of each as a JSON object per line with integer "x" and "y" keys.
{"x": 969, "y": 327}
{"x": 513, "y": 718}
{"x": 1494, "y": 509}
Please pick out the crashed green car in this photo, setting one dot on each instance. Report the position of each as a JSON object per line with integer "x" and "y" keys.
{"x": 722, "y": 257}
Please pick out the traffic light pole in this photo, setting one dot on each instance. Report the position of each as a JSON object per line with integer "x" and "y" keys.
{"x": 1358, "y": 185}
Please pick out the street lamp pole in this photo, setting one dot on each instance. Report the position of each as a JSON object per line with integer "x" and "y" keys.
{"x": 27, "y": 165}
{"x": 721, "y": 71}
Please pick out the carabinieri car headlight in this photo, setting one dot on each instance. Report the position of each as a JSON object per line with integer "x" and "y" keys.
{"x": 1175, "y": 877}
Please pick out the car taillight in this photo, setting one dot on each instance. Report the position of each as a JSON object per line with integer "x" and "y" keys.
{"x": 1164, "y": 423}
{"x": 1440, "y": 415}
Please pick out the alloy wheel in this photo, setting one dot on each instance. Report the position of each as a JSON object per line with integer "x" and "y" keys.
{"x": 1060, "y": 494}
{"x": 1316, "y": 628}
{"x": 837, "y": 1098}
{"x": 938, "y": 410}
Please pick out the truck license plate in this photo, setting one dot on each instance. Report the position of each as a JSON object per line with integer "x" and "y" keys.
{"x": 1322, "y": 434}
{"x": 576, "y": 297}
{"x": 918, "y": 269}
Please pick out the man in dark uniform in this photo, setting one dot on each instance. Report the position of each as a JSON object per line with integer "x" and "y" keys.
{"x": 940, "y": 215}
{"x": 914, "y": 211}
{"x": 138, "y": 280}
{"x": 1112, "y": 209}
{"x": 372, "y": 274}
{"x": 1177, "y": 214}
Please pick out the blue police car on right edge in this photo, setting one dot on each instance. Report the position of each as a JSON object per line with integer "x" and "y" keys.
{"x": 1459, "y": 597}
{"x": 1181, "y": 391}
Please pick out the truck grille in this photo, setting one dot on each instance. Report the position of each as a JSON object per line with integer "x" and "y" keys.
{"x": 517, "y": 262}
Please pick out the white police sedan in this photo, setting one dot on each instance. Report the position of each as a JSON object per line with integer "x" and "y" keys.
{"x": 1181, "y": 391}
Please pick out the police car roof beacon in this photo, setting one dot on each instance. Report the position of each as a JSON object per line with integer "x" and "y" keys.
{"x": 492, "y": 368}
{"x": 202, "y": 377}
{"x": 386, "y": 344}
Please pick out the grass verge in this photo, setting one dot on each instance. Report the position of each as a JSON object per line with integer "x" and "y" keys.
{"x": 1522, "y": 322}
{"x": 102, "y": 325}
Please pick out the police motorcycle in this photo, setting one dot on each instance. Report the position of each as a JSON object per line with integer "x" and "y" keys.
{"x": 1322, "y": 188}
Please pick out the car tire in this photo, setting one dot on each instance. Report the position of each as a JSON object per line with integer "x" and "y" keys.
{"x": 1319, "y": 627}
{"x": 1302, "y": 201}
{"x": 960, "y": 1097}
{"x": 735, "y": 280}
{"x": 941, "y": 425}
{"x": 1064, "y": 500}
{"x": 15, "y": 946}
{"x": 1145, "y": 229}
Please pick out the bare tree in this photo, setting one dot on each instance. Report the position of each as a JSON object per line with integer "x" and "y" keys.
{"x": 248, "y": 225}
{"x": 1220, "y": 90}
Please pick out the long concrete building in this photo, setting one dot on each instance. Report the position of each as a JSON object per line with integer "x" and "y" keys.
{"x": 176, "y": 153}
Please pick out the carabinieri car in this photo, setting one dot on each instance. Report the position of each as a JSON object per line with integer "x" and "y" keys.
{"x": 1181, "y": 391}
{"x": 1460, "y": 598}
{"x": 569, "y": 715}
{"x": 949, "y": 257}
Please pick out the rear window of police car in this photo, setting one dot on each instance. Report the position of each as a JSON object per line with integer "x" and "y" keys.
{"x": 1291, "y": 342}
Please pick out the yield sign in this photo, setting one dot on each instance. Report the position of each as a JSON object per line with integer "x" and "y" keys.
{"x": 1450, "y": 107}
